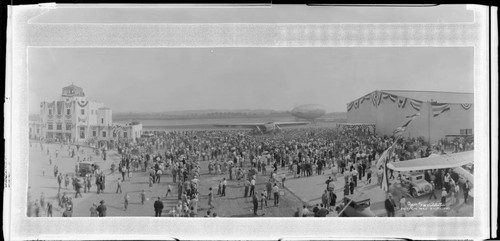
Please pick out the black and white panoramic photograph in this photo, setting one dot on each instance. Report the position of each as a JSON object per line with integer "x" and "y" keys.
{"x": 254, "y": 114}
{"x": 251, "y": 132}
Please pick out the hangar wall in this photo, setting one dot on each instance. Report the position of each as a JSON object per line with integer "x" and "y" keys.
{"x": 389, "y": 112}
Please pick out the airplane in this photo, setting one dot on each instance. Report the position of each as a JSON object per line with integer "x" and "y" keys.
{"x": 262, "y": 128}
{"x": 459, "y": 161}
{"x": 309, "y": 112}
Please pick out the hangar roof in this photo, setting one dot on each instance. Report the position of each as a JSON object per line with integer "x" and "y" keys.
{"x": 440, "y": 97}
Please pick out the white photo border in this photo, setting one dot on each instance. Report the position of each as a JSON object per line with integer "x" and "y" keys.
{"x": 24, "y": 35}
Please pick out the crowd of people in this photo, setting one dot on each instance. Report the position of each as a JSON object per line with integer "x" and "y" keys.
{"x": 239, "y": 157}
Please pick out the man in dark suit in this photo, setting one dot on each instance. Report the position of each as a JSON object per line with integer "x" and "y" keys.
{"x": 158, "y": 205}
{"x": 390, "y": 206}
{"x": 102, "y": 209}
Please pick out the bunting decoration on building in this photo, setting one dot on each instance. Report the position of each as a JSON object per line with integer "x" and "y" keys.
{"x": 466, "y": 106}
{"x": 82, "y": 103}
{"x": 401, "y": 102}
{"x": 386, "y": 96}
{"x": 439, "y": 108}
{"x": 117, "y": 129}
{"x": 356, "y": 104}
{"x": 364, "y": 98}
{"x": 416, "y": 104}
{"x": 349, "y": 106}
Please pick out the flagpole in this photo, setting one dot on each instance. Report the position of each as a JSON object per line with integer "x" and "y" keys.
{"x": 429, "y": 124}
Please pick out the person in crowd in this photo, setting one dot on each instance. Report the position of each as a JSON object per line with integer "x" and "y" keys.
{"x": 101, "y": 209}
{"x": 255, "y": 202}
{"x": 390, "y": 206}
{"x": 224, "y": 184}
{"x": 158, "y": 206}
{"x": 466, "y": 188}
{"x": 119, "y": 186}
{"x": 276, "y": 192}
{"x": 125, "y": 201}
{"x": 263, "y": 199}
{"x": 444, "y": 193}
{"x": 93, "y": 210}
{"x": 143, "y": 197}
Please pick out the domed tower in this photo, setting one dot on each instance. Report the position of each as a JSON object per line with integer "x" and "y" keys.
{"x": 72, "y": 92}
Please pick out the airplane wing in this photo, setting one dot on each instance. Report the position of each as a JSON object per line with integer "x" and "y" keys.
{"x": 434, "y": 162}
{"x": 241, "y": 125}
{"x": 282, "y": 124}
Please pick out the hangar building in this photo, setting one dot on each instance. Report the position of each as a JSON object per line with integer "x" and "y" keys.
{"x": 441, "y": 113}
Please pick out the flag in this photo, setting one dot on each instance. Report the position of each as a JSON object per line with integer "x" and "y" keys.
{"x": 396, "y": 133}
{"x": 385, "y": 155}
{"x": 400, "y": 130}
{"x": 385, "y": 179}
{"x": 439, "y": 108}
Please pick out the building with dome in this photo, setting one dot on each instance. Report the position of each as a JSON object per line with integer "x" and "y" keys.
{"x": 75, "y": 119}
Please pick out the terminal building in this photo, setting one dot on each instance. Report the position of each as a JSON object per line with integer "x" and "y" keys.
{"x": 441, "y": 114}
{"x": 75, "y": 119}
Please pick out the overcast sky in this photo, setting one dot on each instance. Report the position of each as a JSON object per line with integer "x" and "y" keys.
{"x": 166, "y": 79}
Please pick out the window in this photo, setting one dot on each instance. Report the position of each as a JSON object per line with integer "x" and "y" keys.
{"x": 50, "y": 112}
{"x": 94, "y": 133}
{"x": 103, "y": 134}
{"x": 102, "y": 120}
{"x": 68, "y": 112}
{"x": 82, "y": 133}
{"x": 59, "y": 127}
{"x": 50, "y": 126}
{"x": 114, "y": 134}
{"x": 68, "y": 126}
{"x": 125, "y": 134}
{"x": 37, "y": 130}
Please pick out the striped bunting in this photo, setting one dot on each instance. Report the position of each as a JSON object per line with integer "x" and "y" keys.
{"x": 365, "y": 98}
{"x": 349, "y": 106}
{"x": 416, "y": 104}
{"x": 356, "y": 104}
{"x": 82, "y": 103}
{"x": 401, "y": 102}
{"x": 466, "y": 106}
{"x": 386, "y": 96}
{"x": 439, "y": 108}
